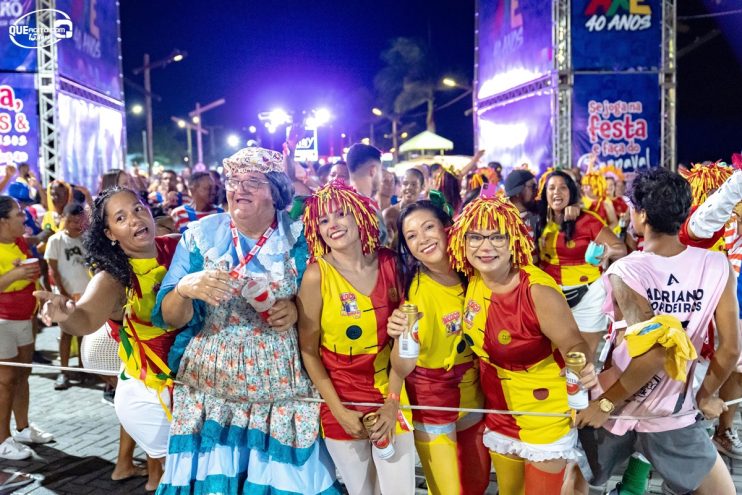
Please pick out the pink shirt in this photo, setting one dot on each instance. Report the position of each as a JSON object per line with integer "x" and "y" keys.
{"x": 687, "y": 286}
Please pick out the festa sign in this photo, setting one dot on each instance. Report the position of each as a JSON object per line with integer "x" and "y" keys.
{"x": 617, "y": 118}
{"x": 18, "y": 123}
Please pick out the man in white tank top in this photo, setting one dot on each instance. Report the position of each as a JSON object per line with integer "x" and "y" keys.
{"x": 694, "y": 285}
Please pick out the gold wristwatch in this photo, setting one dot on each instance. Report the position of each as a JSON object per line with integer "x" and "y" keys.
{"x": 606, "y": 406}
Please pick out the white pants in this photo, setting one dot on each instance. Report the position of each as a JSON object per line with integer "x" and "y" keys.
{"x": 141, "y": 414}
{"x": 365, "y": 474}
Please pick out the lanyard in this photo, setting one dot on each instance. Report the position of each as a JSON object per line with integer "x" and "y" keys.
{"x": 244, "y": 260}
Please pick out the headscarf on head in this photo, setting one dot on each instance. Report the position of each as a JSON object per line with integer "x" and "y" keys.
{"x": 489, "y": 213}
{"x": 334, "y": 195}
{"x": 253, "y": 159}
{"x": 705, "y": 178}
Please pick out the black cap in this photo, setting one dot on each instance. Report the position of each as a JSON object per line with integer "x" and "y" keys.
{"x": 516, "y": 180}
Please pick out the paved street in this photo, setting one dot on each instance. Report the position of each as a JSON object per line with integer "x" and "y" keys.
{"x": 81, "y": 459}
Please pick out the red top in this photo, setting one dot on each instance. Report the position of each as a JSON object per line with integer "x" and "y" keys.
{"x": 19, "y": 305}
{"x": 620, "y": 206}
{"x": 565, "y": 260}
{"x": 516, "y": 312}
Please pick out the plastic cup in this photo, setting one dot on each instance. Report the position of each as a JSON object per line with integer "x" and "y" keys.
{"x": 32, "y": 262}
{"x": 594, "y": 253}
{"x": 258, "y": 293}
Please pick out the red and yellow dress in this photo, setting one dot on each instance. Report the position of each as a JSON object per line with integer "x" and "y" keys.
{"x": 144, "y": 392}
{"x": 565, "y": 260}
{"x": 597, "y": 206}
{"x": 519, "y": 370}
{"x": 144, "y": 346}
{"x": 354, "y": 345}
{"x": 445, "y": 374}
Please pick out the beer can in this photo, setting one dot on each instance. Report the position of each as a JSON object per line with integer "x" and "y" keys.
{"x": 384, "y": 448}
{"x": 577, "y": 397}
{"x": 409, "y": 344}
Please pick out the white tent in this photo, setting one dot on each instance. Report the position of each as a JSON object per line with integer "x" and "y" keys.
{"x": 456, "y": 161}
{"x": 426, "y": 141}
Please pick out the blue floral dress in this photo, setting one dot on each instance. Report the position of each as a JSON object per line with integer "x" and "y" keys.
{"x": 237, "y": 426}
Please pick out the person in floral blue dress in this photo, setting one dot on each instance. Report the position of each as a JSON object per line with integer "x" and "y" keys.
{"x": 238, "y": 424}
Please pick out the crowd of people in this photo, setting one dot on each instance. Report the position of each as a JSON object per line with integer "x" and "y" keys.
{"x": 261, "y": 321}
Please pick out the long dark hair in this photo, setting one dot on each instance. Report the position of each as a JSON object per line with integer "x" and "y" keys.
{"x": 574, "y": 198}
{"x": 102, "y": 255}
{"x": 409, "y": 266}
{"x": 450, "y": 186}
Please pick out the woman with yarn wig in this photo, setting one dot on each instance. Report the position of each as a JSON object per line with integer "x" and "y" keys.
{"x": 519, "y": 325}
{"x": 448, "y": 443}
{"x": 344, "y": 302}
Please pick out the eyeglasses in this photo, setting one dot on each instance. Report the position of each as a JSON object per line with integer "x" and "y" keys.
{"x": 476, "y": 240}
{"x": 246, "y": 185}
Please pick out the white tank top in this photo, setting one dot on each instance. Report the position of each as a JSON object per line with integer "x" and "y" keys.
{"x": 687, "y": 286}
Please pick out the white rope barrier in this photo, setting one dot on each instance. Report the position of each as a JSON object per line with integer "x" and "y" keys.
{"x": 374, "y": 404}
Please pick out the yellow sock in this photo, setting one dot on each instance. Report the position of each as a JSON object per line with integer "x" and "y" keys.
{"x": 440, "y": 461}
{"x": 510, "y": 474}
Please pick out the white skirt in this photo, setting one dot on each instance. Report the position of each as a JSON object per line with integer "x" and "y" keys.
{"x": 564, "y": 448}
{"x": 142, "y": 416}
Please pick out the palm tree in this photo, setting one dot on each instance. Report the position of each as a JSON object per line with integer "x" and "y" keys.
{"x": 408, "y": 80}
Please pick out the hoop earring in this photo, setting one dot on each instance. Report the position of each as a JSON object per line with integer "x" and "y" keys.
{"x": 113, "y": 243}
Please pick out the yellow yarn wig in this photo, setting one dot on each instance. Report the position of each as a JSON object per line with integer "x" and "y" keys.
{"x": 337, "y": 195}
{"x": 706, "y": 178}
{"x": 489, "y": 213}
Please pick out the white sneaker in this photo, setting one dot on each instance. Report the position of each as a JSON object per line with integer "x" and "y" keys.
{"x": 14, "y": 451}
{"x": 727, "y": 442}
{"x": 31, "y": 434}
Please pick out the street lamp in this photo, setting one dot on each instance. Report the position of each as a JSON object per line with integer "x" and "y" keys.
{"x": 233, "y": 140}
{"x": 252, "y": 129}
{"x": 184, "y": 124}
{"x": 147, "y": 66}
{"x": 451, "y": 83}
{"x": 137, "y": 109}
{"x": 394, "y": 119}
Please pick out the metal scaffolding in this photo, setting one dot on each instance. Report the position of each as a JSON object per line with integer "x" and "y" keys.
{"x": 563, "y": 82}
{"x": 668, "y": 69}
{"x": 47, "y": 81}
{"x": 560, "y": 83}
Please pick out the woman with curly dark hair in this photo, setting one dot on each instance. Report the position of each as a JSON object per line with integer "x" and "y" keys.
{"x": 129, "y": 264}
{"x": 563, "y": 245}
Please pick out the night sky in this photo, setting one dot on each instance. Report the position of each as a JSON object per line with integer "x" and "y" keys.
{"x": 300, "y": 55}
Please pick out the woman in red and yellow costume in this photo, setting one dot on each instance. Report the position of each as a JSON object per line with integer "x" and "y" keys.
{"x": 444, "y": 374}
{"x": 704, "y": 180}
{"x": 518, "y": 323}
{"x": 595, "y": 199}
{"x": 344, "y": 303}
{"x": 563, "y": 244}
{"x": 130, "y": 263}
